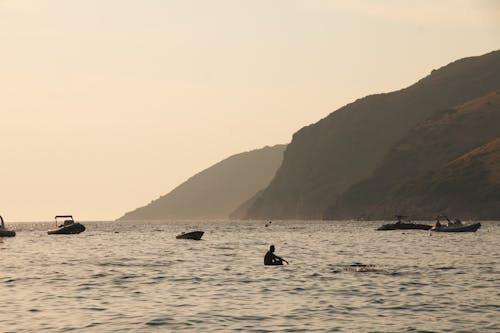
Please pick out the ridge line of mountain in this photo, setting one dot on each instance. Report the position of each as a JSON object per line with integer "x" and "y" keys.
{"x": 326, "y": 158}
{"x": 216, "y": 191}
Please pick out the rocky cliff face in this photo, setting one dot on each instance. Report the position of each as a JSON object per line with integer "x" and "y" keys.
{"x": 326, "y": 158}
{"x": 432, "y": 149}
{"x": 217, "y": 191}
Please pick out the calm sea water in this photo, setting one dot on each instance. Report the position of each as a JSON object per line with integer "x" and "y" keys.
{"x": 124, "y": 277}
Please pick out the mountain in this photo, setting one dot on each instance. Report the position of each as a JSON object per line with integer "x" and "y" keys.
{"x": 241, "y": 212}
{"x": 217, "y": 191}
{"x": 431, "y": 150}
{"x": 467, "y": 187}
{"x": 326, "y": 158}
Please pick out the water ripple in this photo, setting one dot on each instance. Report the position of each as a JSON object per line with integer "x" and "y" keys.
{"x": 343, "y": 277}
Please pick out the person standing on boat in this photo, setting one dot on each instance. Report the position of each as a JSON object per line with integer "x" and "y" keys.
{"x": 437, "y": 225}
{"x": 399, "y": 219}
{"x": 270, "y": 259}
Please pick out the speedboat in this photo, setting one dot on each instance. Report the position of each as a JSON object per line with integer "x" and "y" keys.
{"x": 69, "y": 226}
{"x": 456, "y": 226}
{"x": 399, "y": 225}
{"x": 4, "y": 232}
{"x": 195, "y": 235}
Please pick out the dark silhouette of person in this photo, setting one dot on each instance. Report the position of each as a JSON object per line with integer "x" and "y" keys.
{"x": 438, "y": 224}
{"x": 400, "y": 218}
{"x": 270, "y": 259}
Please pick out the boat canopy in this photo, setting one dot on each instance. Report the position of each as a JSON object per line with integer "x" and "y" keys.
{"x": 64, "y": 216}
{"x": 70, "y": 217}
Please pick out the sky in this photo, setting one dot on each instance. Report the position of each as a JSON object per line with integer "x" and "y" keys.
{"x": 107, "y": 104}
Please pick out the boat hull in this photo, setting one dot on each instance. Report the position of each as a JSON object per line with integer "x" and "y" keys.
{"x": 75, "y": 228}
{"x": 194, "y": 235}
{"x": 466, "y": 228}
{"x": 405, "y": 226}
{"x": 7, "y": 233}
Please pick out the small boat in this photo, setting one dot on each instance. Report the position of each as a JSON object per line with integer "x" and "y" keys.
{"x": 399, "y": 225}
{"x": 68, "y": 227}
{"x": 196, "y": 235}
{"x": 4, "y": 232}
{"x": 458, "y": 228}
{"x": 455, "y": 226}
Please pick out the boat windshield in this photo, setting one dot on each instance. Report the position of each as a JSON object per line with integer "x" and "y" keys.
{"x": 68, "y": 219}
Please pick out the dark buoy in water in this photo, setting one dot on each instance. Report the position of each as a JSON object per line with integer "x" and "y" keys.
{"x": 268, "y": 224}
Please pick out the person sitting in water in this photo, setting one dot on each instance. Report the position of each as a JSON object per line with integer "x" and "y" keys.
{"x": 271, "y": 259}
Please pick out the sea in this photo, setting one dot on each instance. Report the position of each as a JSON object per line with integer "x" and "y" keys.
{"x": 342, "y": 276}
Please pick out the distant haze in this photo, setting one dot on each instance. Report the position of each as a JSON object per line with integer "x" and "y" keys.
{"x": 107, "y": 104}
{"x": 218, "y": 191}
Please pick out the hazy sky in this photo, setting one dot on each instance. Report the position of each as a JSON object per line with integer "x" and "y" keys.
{"x": 108, "y": 104}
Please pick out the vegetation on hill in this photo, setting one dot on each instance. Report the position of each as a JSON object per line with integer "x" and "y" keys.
{"x": 467, "y": 187}
{"x": 325, "y": 159}
{"x": 424, "y": 155}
